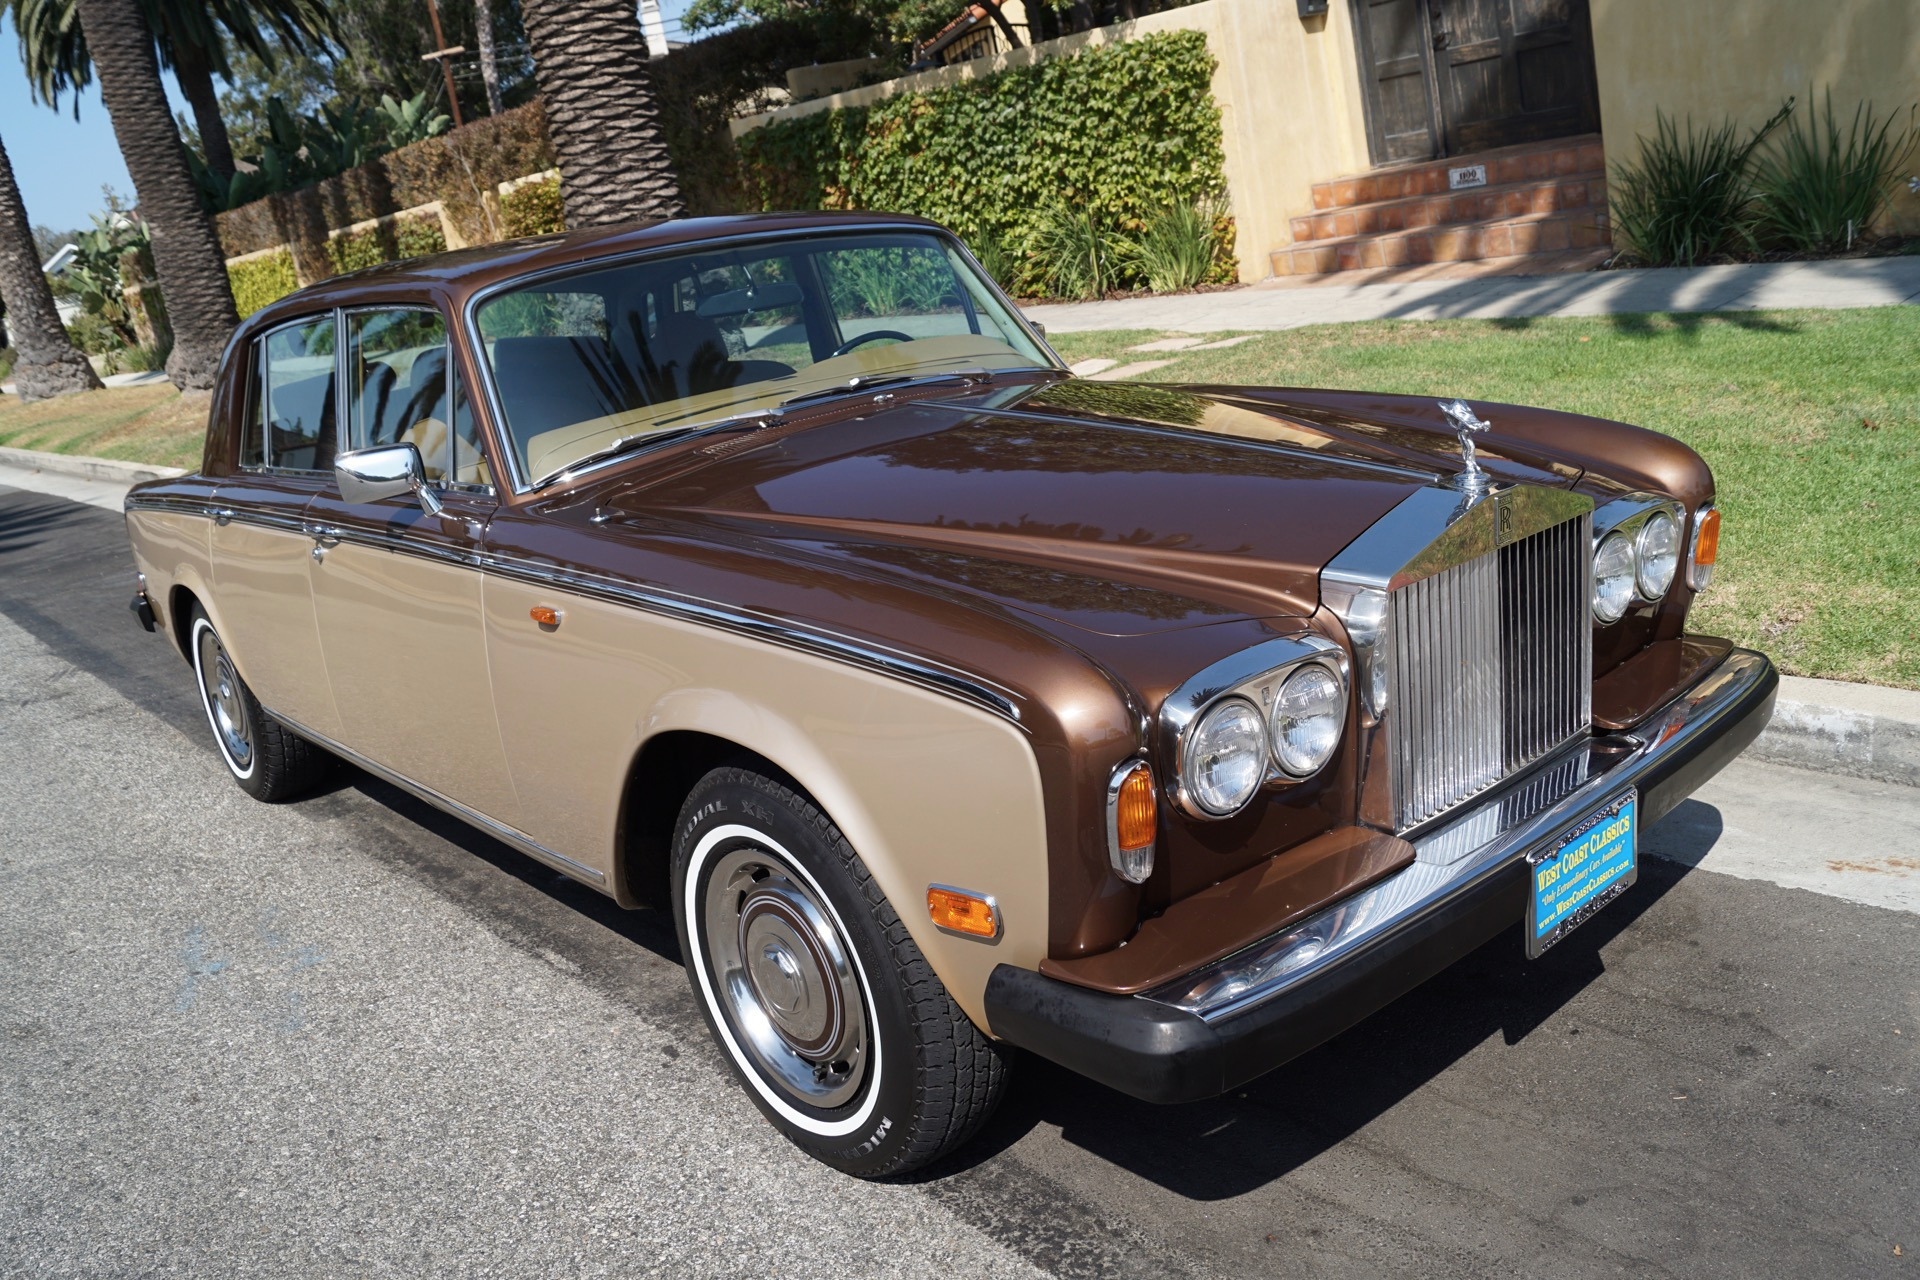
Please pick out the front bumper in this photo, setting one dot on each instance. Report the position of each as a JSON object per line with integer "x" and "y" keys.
{"x": 1228, "y": 1022}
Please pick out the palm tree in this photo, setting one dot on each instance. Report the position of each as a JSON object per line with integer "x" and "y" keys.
{"x": 590, "y": 61}
{"x": 186, "y": 252}
{"x": 189, "y": 34}
{"x": 50, "y": 365}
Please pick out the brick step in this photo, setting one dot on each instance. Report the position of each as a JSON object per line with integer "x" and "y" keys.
{"x": 1528, "y": 162}
{"x": 1539, "y": 233}
{"x": 1477, "y": 204}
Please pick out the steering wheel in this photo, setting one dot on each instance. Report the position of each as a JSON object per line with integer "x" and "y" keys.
{"x": 875, "y": 336}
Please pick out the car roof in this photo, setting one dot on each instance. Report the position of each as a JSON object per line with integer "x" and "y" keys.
{"x": 458, "y": 273}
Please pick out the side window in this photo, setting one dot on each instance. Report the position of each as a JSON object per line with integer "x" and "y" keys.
{"x": 294, "y": 413}
{"x": 400, "y": 385}
{"x": 910, "y": 289}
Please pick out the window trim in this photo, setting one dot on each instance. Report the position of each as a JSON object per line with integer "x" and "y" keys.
{"x": 347, "y": 311}
{"x": 519, "y": 485}
{"x": 256, "y": 388}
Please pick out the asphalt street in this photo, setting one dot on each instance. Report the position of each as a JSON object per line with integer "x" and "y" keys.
{"x": 353, "y": 1037}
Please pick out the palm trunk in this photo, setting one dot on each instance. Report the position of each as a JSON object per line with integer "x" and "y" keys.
{"x": 590, "y": 59}
{"x": 191, "y": 68}
{"x": 49, "y": 365}
{"x": 489, "y": 64}
{"x": 186, "y": 251}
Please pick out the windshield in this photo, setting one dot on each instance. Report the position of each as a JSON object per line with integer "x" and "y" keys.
{"x": 611, "y": 356}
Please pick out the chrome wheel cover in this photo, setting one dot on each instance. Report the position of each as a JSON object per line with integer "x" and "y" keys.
{"x": 785, "y": 977}
{"x": 226, "y": 708}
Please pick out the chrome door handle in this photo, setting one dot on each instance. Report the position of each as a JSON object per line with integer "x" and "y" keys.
{"x": 325, "y": 538}
{"x": 223, "y": 516}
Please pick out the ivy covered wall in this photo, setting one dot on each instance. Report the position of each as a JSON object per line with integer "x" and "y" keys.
{"x": 1118, "y": 131}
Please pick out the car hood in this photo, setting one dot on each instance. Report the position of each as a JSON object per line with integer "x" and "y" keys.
{"x": 1114, "y": 508}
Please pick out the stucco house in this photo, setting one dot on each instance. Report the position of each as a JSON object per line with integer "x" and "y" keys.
{"x": 1379, "y": 133}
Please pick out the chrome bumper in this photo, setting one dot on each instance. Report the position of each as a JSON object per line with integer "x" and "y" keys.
{"x": 1239, "y": 1017}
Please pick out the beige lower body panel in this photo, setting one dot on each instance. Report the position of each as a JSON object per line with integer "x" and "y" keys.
{"x": 926, "y": 789}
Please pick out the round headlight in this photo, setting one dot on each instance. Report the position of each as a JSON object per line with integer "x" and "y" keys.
{"x": 1307, "y": 719}
{"x": 1225, "y": 758}
{"x": 1658, "y": 550}
{"x": 1613, "y": 575}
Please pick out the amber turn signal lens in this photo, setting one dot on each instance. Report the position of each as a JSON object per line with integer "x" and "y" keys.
{"x": 545, "y": 616}
{"x": 1134, "y": 815}
{"x": 1706, "y": 547}
{"x": 962, "y": 912}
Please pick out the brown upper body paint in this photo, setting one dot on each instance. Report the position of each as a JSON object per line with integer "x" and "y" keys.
{"x": 1083, "y": 547}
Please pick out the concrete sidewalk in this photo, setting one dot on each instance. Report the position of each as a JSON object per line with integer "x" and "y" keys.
{"x": 1850, "y": 282}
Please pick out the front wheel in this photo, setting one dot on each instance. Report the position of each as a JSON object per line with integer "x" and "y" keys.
{"x": 268, "y": 760}
{"x": 814, "y": 990}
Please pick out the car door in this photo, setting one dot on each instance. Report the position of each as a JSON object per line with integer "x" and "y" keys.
{"x": 260, "y": 553}
{"x": 396, "y": 591}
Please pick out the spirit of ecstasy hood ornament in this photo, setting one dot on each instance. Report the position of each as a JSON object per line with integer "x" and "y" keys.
{"x": 1465, "y": 423}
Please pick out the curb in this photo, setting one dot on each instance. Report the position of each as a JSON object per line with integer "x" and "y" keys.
{"x": 86, "y": 468}
{"x": 1860, "y": 730}
{"x": 1830, "y": 726}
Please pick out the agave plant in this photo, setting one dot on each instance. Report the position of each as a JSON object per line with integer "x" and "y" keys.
{"x": 1689, "y": 199}
{"x": 1820, "y": 188}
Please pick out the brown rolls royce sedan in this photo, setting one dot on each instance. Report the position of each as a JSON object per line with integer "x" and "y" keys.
{"x": 774, "y": 572}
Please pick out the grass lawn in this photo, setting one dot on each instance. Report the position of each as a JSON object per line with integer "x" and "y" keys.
{"x": 152, "y": 424}
{"x": 1810, "y": 420}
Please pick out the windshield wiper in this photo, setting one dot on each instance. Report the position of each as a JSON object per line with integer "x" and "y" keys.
{"x": 857, "y": 385}
{"x": 627, "y": 444}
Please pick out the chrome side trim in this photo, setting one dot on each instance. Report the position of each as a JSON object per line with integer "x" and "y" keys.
{"x": 914, "y": 670}
{"x": 925, "y": 673}
{"x": 1456, "y": 856}
{"x": 498, "y": 830}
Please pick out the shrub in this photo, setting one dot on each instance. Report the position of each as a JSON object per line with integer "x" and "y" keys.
{"x": 1076, "y": 257}
{"x": 258, "y": 281}
{"x": 95, "y": 336}
{"x": 389, "y": 241}
{"x": 1117, "y": 132}
{"x": 1688, "y": 200}
{"x": 7, "y": 357}
{"x": 1178, "y": 248}
{"x": 1819, "y": 189}
{"x": 533, "y": 209}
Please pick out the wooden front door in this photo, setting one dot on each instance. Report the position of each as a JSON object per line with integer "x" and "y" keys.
{"x": 1445, "y": 77}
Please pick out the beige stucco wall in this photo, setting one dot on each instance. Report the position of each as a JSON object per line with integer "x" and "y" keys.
{"x": 1288, "y": 90}
{"x": 1742, "y": 59}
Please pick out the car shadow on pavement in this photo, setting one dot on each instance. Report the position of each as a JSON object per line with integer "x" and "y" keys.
{"x": 1261, "y": 1132}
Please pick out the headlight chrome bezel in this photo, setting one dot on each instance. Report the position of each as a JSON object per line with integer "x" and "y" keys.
{"x": 1641, "y": 554}
{"x": 1630, "y": 518}
{"x": 1255, "y": 676}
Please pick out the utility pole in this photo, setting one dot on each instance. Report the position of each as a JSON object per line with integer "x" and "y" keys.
{"x": 443, "y": 55}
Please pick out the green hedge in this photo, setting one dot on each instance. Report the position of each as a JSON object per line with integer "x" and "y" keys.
{"x": 388, "y": 242}
{"x": 533, "y": 209}
{"x": 262, "y": 280}
{"x": 1120, "y": 131}
{"x": 460, "y": 169}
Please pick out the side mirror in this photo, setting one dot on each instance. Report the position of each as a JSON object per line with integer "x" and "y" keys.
{"x": 384, "y": 471}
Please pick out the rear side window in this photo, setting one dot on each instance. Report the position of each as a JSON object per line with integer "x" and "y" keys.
{"x": 293, "y": 424}
{"x": 403, "y": 390}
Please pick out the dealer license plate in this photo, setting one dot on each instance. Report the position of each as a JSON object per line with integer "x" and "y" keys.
{"x": 1582, "y": 871}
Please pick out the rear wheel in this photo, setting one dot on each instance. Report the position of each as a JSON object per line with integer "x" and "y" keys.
{"x": 816, "y": 993}
{"x": 268, "y": 760}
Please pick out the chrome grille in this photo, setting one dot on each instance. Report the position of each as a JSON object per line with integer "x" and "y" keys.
{"x": 1489, "y": 669}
